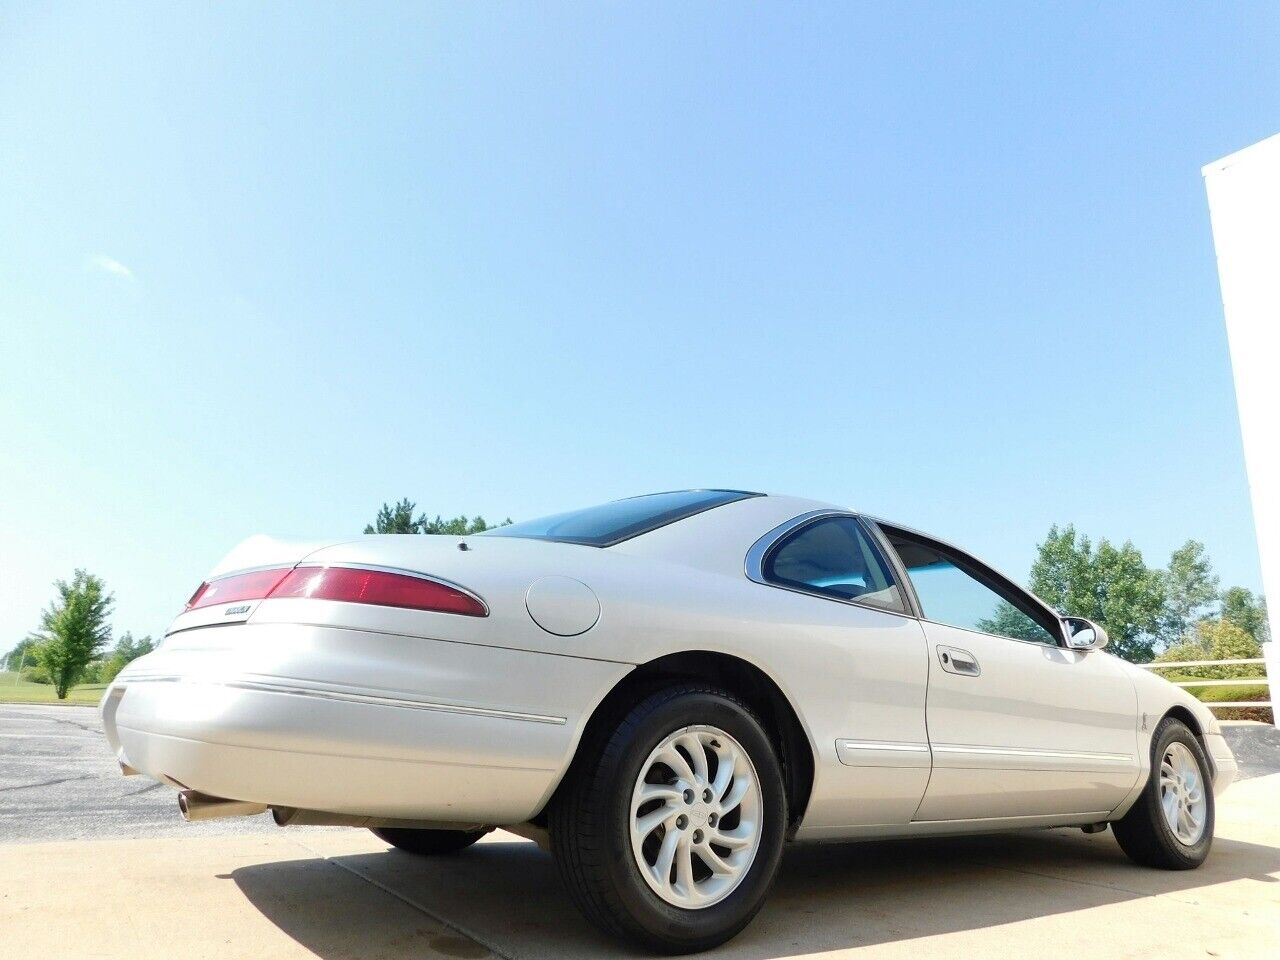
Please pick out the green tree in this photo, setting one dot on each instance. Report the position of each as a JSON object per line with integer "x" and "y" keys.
{"x": 1249, "y": 613}
{"x": 22, "y": 653}
{"x": 1216, "y": 640}
{"x": 1009, "y": 621}
{"x": 459, "y": 526}
{"x": 399, "y": 518}
{"x": 1109, "y": 584}
{"x": 395, "y": 519}
{"x": 1190, "y": 589}
{"x": 127, "y": 649}
{"x": 73, "y": 629}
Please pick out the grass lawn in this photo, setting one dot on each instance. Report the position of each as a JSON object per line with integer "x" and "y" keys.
{"x": 1211, "y": 695}
{"x": 1214, "y": 694}
{"x": 14, "y": 690}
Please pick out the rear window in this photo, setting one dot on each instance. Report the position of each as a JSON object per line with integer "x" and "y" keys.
{"x": 611, "y": 523}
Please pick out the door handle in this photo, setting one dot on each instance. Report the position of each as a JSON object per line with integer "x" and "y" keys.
{"x": 955, "y": 660}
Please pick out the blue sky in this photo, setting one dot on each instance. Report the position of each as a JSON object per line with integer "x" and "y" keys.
{"x": 261, "y": 270}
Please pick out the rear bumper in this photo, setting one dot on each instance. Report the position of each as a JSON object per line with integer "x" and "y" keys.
{"x": 466, "y": 734}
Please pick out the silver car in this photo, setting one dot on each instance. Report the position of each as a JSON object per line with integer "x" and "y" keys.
{"x": 664, "y": 691}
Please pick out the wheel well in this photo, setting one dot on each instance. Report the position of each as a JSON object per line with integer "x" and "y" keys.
{"x": 1180, "y": 712}
{"x": 1187, "y": 717}
{"x": 737, "y": 676}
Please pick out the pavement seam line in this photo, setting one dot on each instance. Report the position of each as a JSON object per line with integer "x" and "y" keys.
{"x": 444, "y": 922}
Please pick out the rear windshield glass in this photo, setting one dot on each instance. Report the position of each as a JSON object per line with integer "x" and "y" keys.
{"x": 620, "y": 520}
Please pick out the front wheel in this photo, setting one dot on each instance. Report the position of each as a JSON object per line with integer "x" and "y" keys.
{"x": 670, "y": 828}
{"x": 427, "y": 842}
{"x": 1170, "y": 826}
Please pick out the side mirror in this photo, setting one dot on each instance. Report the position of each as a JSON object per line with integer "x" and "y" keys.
{"x": 1084, "y": 634}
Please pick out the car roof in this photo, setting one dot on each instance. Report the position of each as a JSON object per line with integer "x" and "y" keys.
{"x": 718, "y": 539}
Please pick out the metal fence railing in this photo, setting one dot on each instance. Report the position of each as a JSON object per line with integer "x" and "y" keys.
{"x": 1270, "y": 659}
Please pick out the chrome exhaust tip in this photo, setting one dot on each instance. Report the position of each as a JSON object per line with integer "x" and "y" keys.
{"x": 195, "y": 806}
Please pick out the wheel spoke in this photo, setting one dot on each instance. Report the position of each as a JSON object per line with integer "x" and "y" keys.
{"x": 651, "y": 821}
{"x": 1191, "y": 782}
{"x": 698, "y": 753}
{"x": 713, "y": 860}
{"x": 666, "y": 856}
{"x": 739, "y": 790}
{"x": 1190, "y": 827}
{"x": 1193, "y": 819}
{"x": 676, "y": 761}
{"x": 736, "y": 840}
{"x": 684, "y": 871}
{"x": 1170, "y": 803}
{"x": 727, "y": 762}
{"x": 666, "y": 792}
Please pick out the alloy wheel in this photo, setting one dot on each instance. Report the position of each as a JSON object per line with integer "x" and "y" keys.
{"x": 696, "y": 816}
{"x": 1182, "y": 795}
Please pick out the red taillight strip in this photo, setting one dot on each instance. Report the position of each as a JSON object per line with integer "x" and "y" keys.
{"x": 385, "y": 588}
{"x": 252, "y": 585}
{"x": 347, "y": 583}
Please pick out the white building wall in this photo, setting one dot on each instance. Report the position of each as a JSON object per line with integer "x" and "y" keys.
{"x": 1244, "y": 206}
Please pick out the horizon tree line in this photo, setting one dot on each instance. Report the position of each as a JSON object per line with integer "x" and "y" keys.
{"x": 1177, "y": 609}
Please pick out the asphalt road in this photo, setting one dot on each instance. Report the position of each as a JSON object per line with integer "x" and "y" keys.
{"x": 59, "y": 781}
{"x": 1257, "y": 748}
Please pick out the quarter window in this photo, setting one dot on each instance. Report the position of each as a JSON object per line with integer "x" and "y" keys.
{"x": 834, "y": 557}
{"x": 950, "y": 591}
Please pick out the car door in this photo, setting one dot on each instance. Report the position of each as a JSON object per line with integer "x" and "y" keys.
{"x": 859, "y": 664}
{"x": 1018, "y": 724}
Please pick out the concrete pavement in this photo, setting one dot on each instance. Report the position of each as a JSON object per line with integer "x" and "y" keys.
{"x": 338, "y": 894}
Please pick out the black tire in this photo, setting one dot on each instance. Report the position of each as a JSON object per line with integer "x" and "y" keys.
{"x": 590, "y": 824}
{"x": 1144, "y": 833}
{"x": 427, "y": 843}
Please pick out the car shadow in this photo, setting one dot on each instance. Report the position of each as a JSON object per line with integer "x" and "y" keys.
{"x": 508, "y": 897}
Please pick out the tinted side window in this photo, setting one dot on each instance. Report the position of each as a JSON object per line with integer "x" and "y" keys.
{"x": 834, "y": 557}
{"x": 950, "y": 594}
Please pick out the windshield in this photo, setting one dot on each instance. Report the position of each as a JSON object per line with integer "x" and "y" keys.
{"x": 611, "y": 523}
